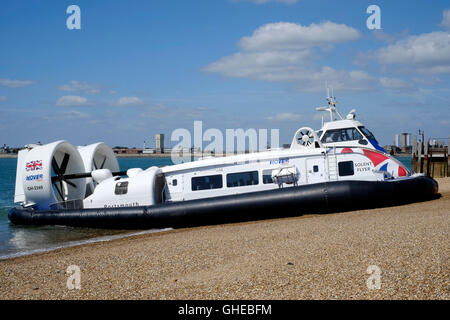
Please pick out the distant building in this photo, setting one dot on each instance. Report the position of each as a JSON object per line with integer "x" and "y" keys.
{"x": 127, "y": 151}
{"x": 404, "y": 142}
{"x": 392, "y": 149}
{"x": 159, "y": 142}
{"x": 148, "y": 150}
{"x": 4, "y": 149}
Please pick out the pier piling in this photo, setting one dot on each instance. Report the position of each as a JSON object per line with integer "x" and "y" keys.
{"x": 431, "y": 157}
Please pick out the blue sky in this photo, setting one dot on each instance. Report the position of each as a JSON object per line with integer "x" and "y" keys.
{"x": 137, "y": 68}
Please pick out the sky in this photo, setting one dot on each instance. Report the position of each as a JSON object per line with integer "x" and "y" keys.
{"x": 138, "y": 68}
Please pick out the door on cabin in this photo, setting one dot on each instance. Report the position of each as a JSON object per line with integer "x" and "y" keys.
{"x": 315, "y": 170}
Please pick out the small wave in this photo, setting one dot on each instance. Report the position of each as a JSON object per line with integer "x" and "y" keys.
{"x": 79, "y": 242}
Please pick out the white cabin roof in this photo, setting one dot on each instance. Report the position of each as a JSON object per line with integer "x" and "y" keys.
{"x": 341, "y": 124}
{"x": 242, "y": 158}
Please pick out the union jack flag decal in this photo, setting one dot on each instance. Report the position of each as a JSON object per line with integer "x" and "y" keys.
{"x": 33, "y": 165}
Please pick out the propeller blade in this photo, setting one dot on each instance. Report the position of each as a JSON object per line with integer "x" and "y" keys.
{"x": 62, "y": 190}
{"x": 71, "y": 183}
{"x": 64, "y": 163}
{"x": 59, "y": 192}
{"x": 55, "y": 166}
{"x": 103, "y": 163}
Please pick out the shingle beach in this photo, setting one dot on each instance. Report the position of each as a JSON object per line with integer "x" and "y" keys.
{"x": 307, "y": 257}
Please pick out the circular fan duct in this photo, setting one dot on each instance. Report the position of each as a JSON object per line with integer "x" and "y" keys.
{"x": 97, "y": 156}
{"x": 306, "y": 137}
{"x": 44, "y": 175}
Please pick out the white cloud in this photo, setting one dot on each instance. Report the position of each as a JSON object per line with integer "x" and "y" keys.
{"x": 269, "y": 65}
{"x": 339, "y": 80}
{"x": 80, "y": 86}
{"x": 12, "y": 83}
{"x": 303, "y": 74}
{"x": 446, "y": 19}
{"x": 66, "y": 101}
{"x": 285, "y": 52}
{"x": 383, "y": 36}
{"x": 395, "y": 83}
{"x": 286, "y": 116}
{"x": 293, "y": 36}
{"x": 427, "y": 53}
{"x": 68, "y": 115}
{"x": 128, "y": 101}
{"x": 426, "y": 81}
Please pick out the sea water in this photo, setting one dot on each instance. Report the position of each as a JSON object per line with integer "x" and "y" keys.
{"x": 16, "y": 240}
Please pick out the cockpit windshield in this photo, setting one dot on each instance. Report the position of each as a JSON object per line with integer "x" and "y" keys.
{"x": 339, "y": 135}
{"x": 369, "y": 135}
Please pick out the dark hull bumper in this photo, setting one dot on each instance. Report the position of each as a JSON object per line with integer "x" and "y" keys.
{"x": 293, "y": 201}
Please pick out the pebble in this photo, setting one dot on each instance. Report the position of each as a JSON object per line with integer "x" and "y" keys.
{"x": 329, "y": 257}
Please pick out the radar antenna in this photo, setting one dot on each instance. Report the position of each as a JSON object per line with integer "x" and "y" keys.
{"x": 331, "y": 100}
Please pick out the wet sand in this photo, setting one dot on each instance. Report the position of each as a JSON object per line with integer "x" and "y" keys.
{"x": 308, "y": 257}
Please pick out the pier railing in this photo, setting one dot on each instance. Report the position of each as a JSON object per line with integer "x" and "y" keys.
{"x": 431, "y": 157}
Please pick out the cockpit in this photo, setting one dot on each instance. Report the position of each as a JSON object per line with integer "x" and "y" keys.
{"x": 346, "y": 134}
{"x": 349, "y": 136}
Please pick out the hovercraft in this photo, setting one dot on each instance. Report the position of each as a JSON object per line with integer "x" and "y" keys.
{"x": 340, "y": 167}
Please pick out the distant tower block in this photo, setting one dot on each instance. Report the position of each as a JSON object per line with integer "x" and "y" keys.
{"x": 159, "y": 142}
{"x": 403, "y": 140}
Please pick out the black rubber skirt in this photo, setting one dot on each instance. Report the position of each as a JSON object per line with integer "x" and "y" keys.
{"x": 291, "y": 201}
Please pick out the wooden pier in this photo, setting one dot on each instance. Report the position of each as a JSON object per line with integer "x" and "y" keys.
{"x": 430, "y": 158}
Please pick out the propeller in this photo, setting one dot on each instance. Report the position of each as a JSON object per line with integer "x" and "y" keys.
{"x": 306, "y": 137}
{"x": 59, "y": 177}
{"x": 90, "y": 187}
{"x": 101, "y": 166}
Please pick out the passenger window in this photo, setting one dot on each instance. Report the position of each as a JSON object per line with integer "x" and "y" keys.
{"x": 174, "y": 182}
{"x": 356, "y": 134}
{"x": 121, "y": 188}
{"x": 346, "y": 168}
{"x": 369, "y": 135}
{"x": 316, "y": 168}
{"x": 267, "y": 176}
{"x": 339, "y": 135}
{"x": 241, "y": 179}
{"x": 207, "y": 182}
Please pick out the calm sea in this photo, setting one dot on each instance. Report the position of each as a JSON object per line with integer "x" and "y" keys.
{"x": 19, "y": 240}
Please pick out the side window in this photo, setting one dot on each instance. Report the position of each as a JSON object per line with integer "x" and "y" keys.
{"x": 206, "y": 182}
{"x": 241, "y": 179}
{"x": 121, "y": 188}
{"x": 316, "y": 168}
{"x": 174, "y": 182}
{"x": 332, "y": 136}
{"x": 267, "y": 176}
{"x": 346, "y": 168}
{"x": 340, "y": 135}
{"x": 369, "y": 135}
{"x": 356, "y": 135}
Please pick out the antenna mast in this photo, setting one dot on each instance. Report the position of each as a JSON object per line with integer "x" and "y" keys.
{"x": 331, "y": 100}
